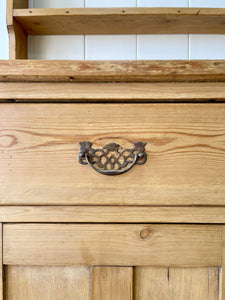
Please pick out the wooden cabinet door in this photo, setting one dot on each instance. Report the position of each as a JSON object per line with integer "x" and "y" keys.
{"x": 110, "y": 262}
{"x": 110, "y": 283}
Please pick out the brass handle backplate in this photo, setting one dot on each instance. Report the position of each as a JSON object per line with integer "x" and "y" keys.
{"x": 112, "y": 159}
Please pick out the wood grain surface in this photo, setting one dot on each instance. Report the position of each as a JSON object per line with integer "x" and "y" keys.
{"x": 177, "y": 283}
{"x": 47, "y": 283}
{"x": 109, "y": 283}
{"x": 140, "y": 20}
{"x": 112, "y": 245}
{"x": 124, "y": 71}
{"x": 112, "y": 92}
{"x": 113, "y": 214}
{"x": 185, "y": 149}
{"x": 17, "y": 35}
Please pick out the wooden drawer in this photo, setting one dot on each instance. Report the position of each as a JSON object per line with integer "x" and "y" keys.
{"x": 185, "y": 149}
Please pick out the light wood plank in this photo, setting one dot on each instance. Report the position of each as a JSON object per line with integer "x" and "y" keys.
{"x": 17, "y": 42}
{"x": 136, "y": 20}
{"x": 14, "y": 4}
{"x": 17, "y": 35}
{"x": 9, "y": 12}
{"x": 112, "y": 214}
{"x": 112, "y": 92}
{"x": 97, "y": 71}
{"x": 177, "y": 283}
{"x": 112, "y": 245}
{"x": 110, "y": 283}
{"x": 47, "y": 283}
{"x": 185, "y": 149}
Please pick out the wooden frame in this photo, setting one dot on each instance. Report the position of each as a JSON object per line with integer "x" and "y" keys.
{"x": 42, "y": 92}
{"x": 17, "y": 35}
{"x": 113, "y": 214}
{"x": 110, "y": 244}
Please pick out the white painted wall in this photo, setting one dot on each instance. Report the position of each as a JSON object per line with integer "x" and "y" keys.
{"x": 153, "y": 46}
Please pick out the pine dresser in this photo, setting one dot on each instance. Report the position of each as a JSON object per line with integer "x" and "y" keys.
{"x": 112, "y": 173}
{"x": 72, "y": 230}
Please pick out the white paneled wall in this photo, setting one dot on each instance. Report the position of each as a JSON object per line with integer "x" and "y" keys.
{"x": 110, "y": 3}
{"x": 55, "y": 3}
{"x": 110, "y": 47}
{"x": 157, "y": 46}
{"x": 121, "y": 46}
{"x": 162, "y": 46}
{"x": 207, "y": 3}
{"x": 208, "y": 46}
{"x": 162, "y": 3}
{"x": 56, "y": 47}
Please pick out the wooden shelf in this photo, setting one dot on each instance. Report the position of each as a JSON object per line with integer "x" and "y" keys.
{"x": 120, "y": 20}
{"x": 22, "y": 21}
{"x": 112, "y": 71}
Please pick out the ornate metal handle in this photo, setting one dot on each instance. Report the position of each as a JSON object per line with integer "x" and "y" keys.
{"x": 112, "y": 159}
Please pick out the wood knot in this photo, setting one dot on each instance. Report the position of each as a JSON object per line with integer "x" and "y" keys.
{"x": 7, "y": 141}
{"x": 145, "y": 233}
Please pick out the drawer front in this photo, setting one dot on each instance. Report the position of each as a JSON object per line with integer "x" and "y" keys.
{"x": 185, "y": 154}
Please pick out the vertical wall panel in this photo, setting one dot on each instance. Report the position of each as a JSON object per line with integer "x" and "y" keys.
{"x": 162, "y": 46}
{"x": 110, "y": 46}
{"x": 56, "y": 46}
{"x": 207, "y": 3}
{"x": 110, "y": 3}
{"x": 207, "y": 46}
{"x": 55, "y": 3}
{"x": 165, "y": 3}
{"x": 166, "y": 46}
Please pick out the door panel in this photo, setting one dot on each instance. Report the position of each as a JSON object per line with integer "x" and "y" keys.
{"x": 112, "y": 283}
{"x": 47, "y": 283}
{"x": 177, "y": 283}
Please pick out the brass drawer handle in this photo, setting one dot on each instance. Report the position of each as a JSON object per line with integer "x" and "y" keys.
{"x": 112, "y": 159}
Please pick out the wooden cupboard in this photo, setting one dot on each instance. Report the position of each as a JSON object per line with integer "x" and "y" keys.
{"x": 155, "y": 232}
{"x": 68, "y": 232}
